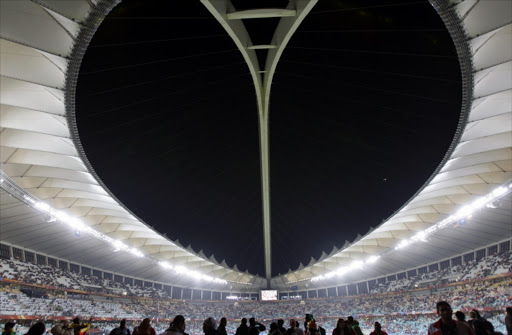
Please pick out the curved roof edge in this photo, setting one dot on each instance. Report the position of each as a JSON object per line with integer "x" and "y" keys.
{"x": 456, "y": 21}
{"x": 90, "y": 26}
{"x": 41, "y": 150}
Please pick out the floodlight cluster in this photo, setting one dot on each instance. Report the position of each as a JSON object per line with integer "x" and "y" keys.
{"x": 465, "y": 213}
{"x": 78, "y": 226}
{"x": 181, "y": 270}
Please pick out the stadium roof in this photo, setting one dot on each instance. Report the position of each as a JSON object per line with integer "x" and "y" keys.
{"x": 42, "y": 43}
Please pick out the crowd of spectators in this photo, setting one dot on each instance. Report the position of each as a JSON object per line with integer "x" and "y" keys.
{"x": 58, "y": 278}
{"x": 399, "y": 306}
{"x": 411, "y": 310}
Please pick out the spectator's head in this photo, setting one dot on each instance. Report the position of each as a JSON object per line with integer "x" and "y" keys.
{"x": 475, "y": 314}
{"x": 280, "y": 322}
{"x": 37, "y": 329}
{"x": 223, "y": 322}
{"x": 350, "y": 319}
{"x": 178, "y": 322}
{"x": 460, "y": 316}
{"x": 9, "y": 325}
{"x": 244, "y": 321}
{"x": 252, "y": 321}
{"x": 444, "y": 310}
{"x": 377, "y": 326}
{"x": 509, "y": 310}
{"x": 273, "y": 326}
{"x": 297, "y": 325}
{"x": 144, "y": 326}
{"x": 341, "y": 323}
{"x": 254, "y": 331}
{"x": 123, "y": 323}
{"x": 293, "y": 323}
{"x": 76, "y": 320}
{"x": 209, "y": 325}
{"x": 65, "y": 323}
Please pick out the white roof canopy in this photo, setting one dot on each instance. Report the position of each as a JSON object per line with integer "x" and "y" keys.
{"x": 42, "y": 43}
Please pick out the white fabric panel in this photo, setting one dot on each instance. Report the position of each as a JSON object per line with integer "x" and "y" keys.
{"x": 494, "y": 142}
{"x": 486, "y": 16}
{"x": 463, "y": 7}
{"x": 479, "y": 158}
{"x": 496, "y": 48}
{"x": 470, "y": 179}
{"x": 5, "y": 153}
{"x": 92, "y": 203}
{"x": 24, "y": 63}
{"x": 45, "y": 193}
{"x": 43, "y": 32}
{"x": 14, "y": 170}
{"x": 58, "y": 173}
{"x": 86, "y": 195}
{"x": 71, "y": 27}
{"x": 26, "y": 119}
{"x": 30, "y": 96}
{"x": 492, "y": 125}
{"x": 100, "y": 211}
{"x": 35, "y": 141}
{"x": 133, "y": 221}
{"x": 76, "y": 10}
{"x": 492, "y": 105}
{"x": 417, "y": 210}
{"x": 474, "y": 169}
{"x": 495, "y": 79}
{"x": 60, "y": 62}
{"x": 74, "y": 186}
{"x": 31, "y": 157}
{"x": 29, "y": 182}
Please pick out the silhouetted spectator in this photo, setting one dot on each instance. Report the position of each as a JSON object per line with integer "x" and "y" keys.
{"x": 378, "y": 330}
{"x": 446, "y": 325}
{"x": 36, "y": 329}
{"x": 243, "y": 329}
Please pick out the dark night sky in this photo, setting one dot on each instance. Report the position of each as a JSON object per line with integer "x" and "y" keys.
{"x": 364, "y": 105}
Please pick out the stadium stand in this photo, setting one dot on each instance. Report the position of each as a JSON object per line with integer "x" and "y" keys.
{"x": 44, "y": 291}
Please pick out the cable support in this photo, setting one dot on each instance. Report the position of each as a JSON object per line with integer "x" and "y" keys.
{"x": 375, "y": 52}
{"x": 370, "y": 71}
{"x": 156, "y": 62}
{"x": 162, "y": 79}
{"x": 369, "y": 7}
{"x": 154, "y": 41}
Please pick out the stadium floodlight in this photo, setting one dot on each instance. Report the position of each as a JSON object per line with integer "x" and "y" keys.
{"x": 372, "y": 259}
{"x": 136, "y": 252}
{"x": 466, "y": 212}
{"x": 402, "y": 244}
{"x": 357, "y": 264}
{"x": 77, "y": 225}
{"x": 165, "y": 265}
{"x": 42, "y": 206}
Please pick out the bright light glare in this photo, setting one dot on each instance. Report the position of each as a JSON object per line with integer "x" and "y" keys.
{"x": 357, "y": 264}
{"x": 372, "y": 259}
{"x": 466, "y": 212}
{"x": 117, "y": 245}
{"x": 42, "y": 206}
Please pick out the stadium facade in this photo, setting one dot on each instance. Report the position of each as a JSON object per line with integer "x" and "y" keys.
{"x": 55, "y": 208}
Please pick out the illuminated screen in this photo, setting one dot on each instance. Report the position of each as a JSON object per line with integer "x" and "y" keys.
{"x": 267, "y": 295}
